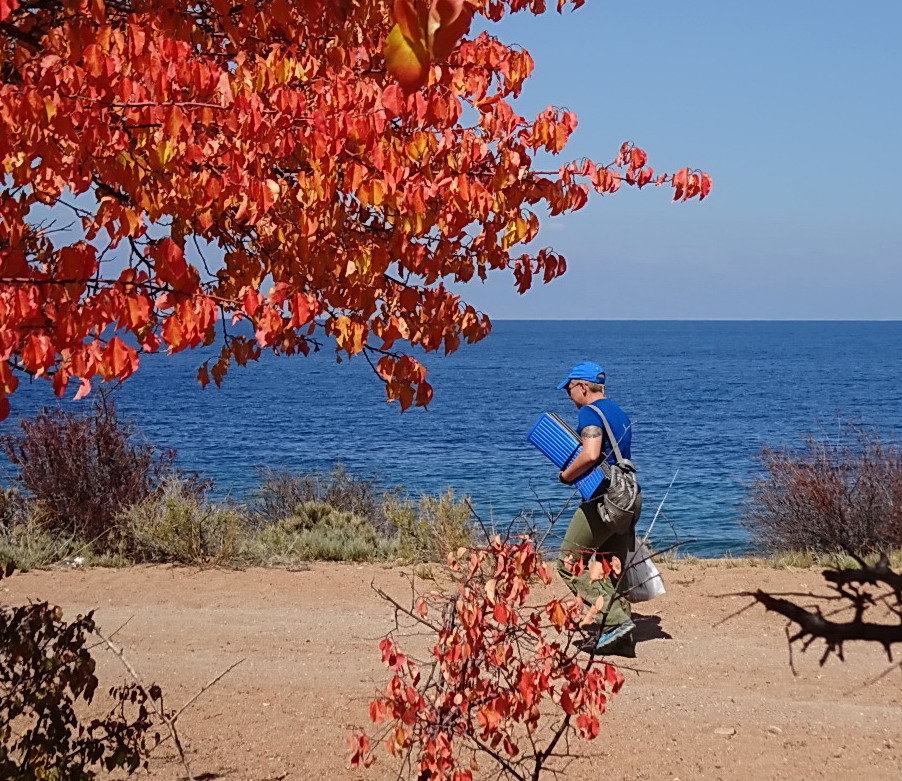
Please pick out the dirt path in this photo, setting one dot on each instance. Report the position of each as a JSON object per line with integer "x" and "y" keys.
{"x": 712, "y": 700}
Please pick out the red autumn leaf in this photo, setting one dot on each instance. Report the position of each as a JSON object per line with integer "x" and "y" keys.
{"x": 171, "y": 266}
{"x": 6, "y": 8}
{"x": 569, "y": 704}
{"x": 137, "y": 312}
{"x": 78, "y": 261}
{"x": 119, "y": 360}
{"x": 638, "y": 158}
{"x": 613, "y": 678}
{"x": 489, "y": 718}
{"x": 556, "y": 614}
{"x": 83, "y": 389}
{"x": 8, "y": 381}
{"x": 680, "y": 181}
{"x": 302, "y": 310}
{"x": 449, "y": 20}
{"x": 588, "y": 726}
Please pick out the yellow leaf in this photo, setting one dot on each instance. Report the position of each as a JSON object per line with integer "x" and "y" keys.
{"x": 165, "y": 152}
{"x": 407, "y": 60}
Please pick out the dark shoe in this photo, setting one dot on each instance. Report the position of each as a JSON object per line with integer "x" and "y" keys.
{"x": 600, "y": 641}
{"x": 625, "y": 646}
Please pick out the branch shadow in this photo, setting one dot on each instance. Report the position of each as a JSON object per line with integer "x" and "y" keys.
{"x": 649, "y": 628}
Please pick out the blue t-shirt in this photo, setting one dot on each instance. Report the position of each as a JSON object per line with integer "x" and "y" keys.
{"x": 617, "y": 420}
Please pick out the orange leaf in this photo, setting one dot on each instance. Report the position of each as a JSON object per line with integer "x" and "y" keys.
{"x": 38, "y": 354}
{"x": 120, "y": 359}
{"x": 556, "y": 614}
{"x": 83, "y": 390}
{"x": 407, "y": 18}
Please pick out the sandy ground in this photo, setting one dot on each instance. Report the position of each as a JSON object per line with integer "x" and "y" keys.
{"x": 707, "y": 699}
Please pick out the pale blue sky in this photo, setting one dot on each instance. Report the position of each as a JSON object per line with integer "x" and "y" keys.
{"x": 794, "y": 109}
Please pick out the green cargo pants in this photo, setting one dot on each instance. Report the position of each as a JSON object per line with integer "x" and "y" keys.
{"x": 585, "y": 537}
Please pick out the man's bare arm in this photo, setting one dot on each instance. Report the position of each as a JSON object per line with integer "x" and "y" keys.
{"x": 588, "y": 456}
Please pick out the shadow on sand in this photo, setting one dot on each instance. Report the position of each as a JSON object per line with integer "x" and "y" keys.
{"x": 649, "y": 628}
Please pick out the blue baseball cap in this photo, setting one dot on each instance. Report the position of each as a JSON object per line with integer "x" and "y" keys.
{"x": 585, "y": 370}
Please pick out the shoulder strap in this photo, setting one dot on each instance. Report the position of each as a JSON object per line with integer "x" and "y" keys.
{"x": 611, "y": 438}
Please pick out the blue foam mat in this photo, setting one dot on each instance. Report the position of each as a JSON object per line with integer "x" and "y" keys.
{"x": 558, "y": 442}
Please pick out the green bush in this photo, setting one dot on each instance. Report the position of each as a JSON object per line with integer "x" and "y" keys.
{"x": 181, "y": 526}
{"x": 320, "y": 531}
{"x": 281, "y": 492}
{"x": 432, "y": 529}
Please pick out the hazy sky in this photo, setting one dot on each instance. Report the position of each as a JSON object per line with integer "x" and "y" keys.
{"x": 793, "y": 107}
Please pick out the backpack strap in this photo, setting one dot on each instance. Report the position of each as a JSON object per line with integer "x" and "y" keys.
{"x": 611, "y": 438}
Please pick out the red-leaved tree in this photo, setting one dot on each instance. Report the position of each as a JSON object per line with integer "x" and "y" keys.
{"x": 505, "y": 686}
{"x": 318, "y": 168}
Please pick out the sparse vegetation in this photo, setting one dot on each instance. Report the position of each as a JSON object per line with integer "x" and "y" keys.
{"x": 181, "y": 526}
{"x": 161, "y": 516}
{"x": 430, "y": 529}
{"x": 282, "y": 491}
{"x": 828, "y": 498}
{"x": 320, "y": 531}
{"x": 27, "y": 545}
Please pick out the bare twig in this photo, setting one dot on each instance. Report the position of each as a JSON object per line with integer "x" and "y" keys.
{"x": 209, "y": 685}
{"x": 169, "y": 719}
{"x": 400, "y": 608}
{"x": 157, "y": 704}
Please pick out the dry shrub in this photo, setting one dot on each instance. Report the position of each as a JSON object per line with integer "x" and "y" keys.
{"x": 84, "y": 469}
{"x": 180, "y": 525}
{"x": 829, "y": 497}
{"x": 28, "y": 546}
{"x": 13, "y": 508}
{"x": 430, "y": 530}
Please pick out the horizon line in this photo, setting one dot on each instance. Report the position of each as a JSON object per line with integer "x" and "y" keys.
{"x": 694, "y": 319}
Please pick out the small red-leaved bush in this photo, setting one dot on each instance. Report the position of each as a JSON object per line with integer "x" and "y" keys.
{"x": 505, "y": 683}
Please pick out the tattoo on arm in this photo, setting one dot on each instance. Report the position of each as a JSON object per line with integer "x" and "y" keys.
{"x": 590, "y": 432}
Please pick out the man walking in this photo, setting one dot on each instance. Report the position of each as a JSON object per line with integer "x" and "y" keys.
{"x": 608, "y": 619}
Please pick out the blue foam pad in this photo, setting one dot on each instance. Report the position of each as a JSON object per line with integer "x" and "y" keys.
{"x": 560, "y": 444}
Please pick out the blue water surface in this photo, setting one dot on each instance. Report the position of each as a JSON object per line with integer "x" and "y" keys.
{"x": 704, "y": 398}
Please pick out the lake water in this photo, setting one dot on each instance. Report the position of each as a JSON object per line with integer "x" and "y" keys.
{"x": 704, "y": 398}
